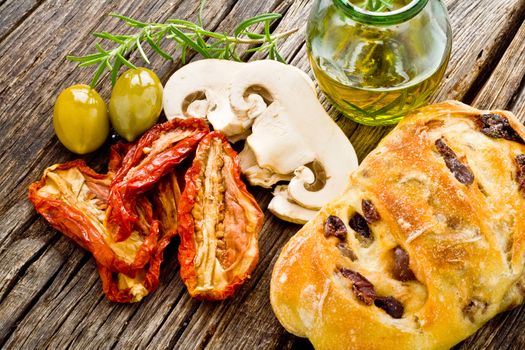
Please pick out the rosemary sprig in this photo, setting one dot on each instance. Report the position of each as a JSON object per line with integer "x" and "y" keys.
{"x": 187, "y": 35}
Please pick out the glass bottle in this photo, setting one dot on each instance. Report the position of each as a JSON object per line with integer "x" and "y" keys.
{"x": 377, "y": 66}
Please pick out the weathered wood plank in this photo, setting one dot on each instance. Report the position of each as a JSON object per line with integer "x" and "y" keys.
{"x": 504, "y": 83}
{"x": 518, "y": 105}
{"x": 14, "y": 12}
{"x": 516, "y": 62}
{"x": 33, "y": 283}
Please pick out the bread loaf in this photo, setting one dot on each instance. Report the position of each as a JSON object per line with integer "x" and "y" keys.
{"x": 426, "y": 244}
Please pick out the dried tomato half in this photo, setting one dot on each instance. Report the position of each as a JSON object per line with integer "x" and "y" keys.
{"x": 219, "y": 223}
{"x": 156, "y": 153}
{"x": 122, "y": 288}
{"x": 73, "y": 199}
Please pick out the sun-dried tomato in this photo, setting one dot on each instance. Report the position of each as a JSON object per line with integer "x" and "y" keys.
{"x": 165, "y": 198}
{"x": 219, "y": 223}
{"x": 156, "y": 153}
{"x": 75, "y": 200}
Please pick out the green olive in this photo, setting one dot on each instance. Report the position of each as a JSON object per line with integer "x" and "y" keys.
{"x": 80, "y": 119}
{"x": 136, "y": 102}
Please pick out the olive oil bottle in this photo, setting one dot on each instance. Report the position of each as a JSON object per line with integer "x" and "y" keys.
{"x": 377, "y": 66}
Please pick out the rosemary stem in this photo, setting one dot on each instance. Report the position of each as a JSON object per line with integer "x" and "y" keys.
{"x": 187, "y": 36}
{"x": 236, "y": 39}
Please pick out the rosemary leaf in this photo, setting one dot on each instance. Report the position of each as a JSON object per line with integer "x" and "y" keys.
{"x": 278, "y": 57}
{"x": 125, "y": 61}
{"x": 183, "y": 23}
{"x": 157, "y": 49}
{"x": 88, "y": 63}
{"x": 100, "y": 49}
{"x": 108, "y": 65}
{"x": 114, "y": 72}
{"x": 189, "y": 42}
{"x": 101, "y": 68}
{"x": 251, "y": 35}
{"x": 85, "y": 58}
{"x": 108, "y": 36}
{"x": 141, "y": 50}
{"x": 201, "y": 9}
{"x": 183, "y": 54}
{"x": 132, "y": 22}
{"x": 255, "y": 20}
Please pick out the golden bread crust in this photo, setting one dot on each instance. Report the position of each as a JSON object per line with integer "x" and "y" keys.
{"x": 457, "y": 216}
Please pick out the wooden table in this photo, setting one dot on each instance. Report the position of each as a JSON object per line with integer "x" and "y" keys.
{"x": 50, "y": 294}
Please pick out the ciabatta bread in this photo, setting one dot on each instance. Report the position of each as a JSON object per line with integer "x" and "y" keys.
{"x": 426, "y": 244}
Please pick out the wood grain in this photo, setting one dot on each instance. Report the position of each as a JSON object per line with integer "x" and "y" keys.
{"x": 14, "y": 12}
{"x": 50, "y": 295}
{"x": 503, "y": 86}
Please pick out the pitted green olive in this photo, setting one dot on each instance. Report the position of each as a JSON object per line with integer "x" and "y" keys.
{"x": 136, "y": 102}
{"x": 80, "y": 119}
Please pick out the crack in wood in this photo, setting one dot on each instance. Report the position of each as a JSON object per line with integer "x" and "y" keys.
{"x": 172, "y": 307}
{"x": 491, "y": 63}
{"x": 19, "y": 21}
{"x": 57, "y": 300}
{"x": 23, "y": 269}
{"x": 27, "y": 308}
{"x": 26, "y": 224}
{"x": 185, "y": 323}
{"x": 514, "y": 99}
{"x": 73, "y": 340}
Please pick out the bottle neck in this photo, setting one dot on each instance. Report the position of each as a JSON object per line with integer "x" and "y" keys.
{"x": 400, "y": 15}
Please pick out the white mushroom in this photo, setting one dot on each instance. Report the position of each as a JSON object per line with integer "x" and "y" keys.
{"x": 289, "y": 130}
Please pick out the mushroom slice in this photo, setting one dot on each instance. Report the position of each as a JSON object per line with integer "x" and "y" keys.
{"x": 276, "y": 144}
{"x": 284, "y": 208}
{"x": 256, "y": 175}
{"x": 219, "y": 223}
{"x": 200, "y": 90}
{"x": 295, "y": 129}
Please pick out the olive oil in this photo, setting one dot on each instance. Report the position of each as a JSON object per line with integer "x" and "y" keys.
{"x": 375, "y": 74}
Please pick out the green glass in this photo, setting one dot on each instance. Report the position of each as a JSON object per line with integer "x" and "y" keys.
{"x": 375, "y": 67}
